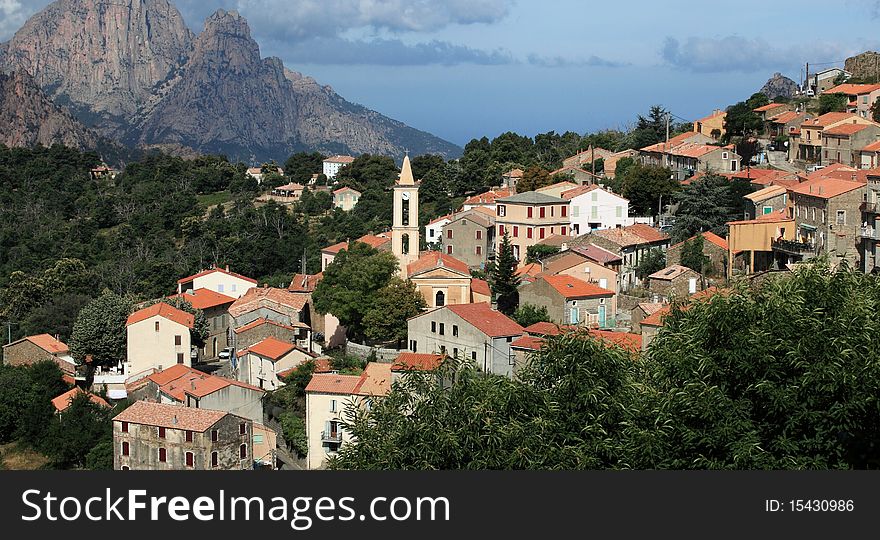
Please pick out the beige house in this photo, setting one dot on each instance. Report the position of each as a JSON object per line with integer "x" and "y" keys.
{"x": 470, "y": 237}
{"x": 585, "y": 158}
{"x": 869, "y": 156}
{"x": 441, "y": 279}
{"x": 557, "y": 189}
{"x": 346, "y": 198}
{"x": 772, "y": 109}
{"x": 218, "y": 280}
{"x": 327, "y": 397}
{"x": 805, "y": 145}
{"x": 715, "y": 249}
{"x": 527, "y": 218}
{"x": 844, "y": 143}
{"x": 755, "y": 239}
{"x": 161, "y": 437}
{"x": 612, "y": 161}
{"x": 712, "y": 125}
{"x": 658, "y": 154}
{"x": 575, "y": 264}
{"x": 487, "y": 200}
{"x": 260, "y": 364}
{"x": 157, "y": 337}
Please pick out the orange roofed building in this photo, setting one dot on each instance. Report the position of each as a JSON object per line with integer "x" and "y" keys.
{"x": 219, "y": 280}
{"x": 32, "y": 349}
{"x": 570, "y": 300}
{"x": 157, "y": 337}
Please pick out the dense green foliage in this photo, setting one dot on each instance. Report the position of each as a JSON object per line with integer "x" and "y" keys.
{"x": 645, "y": 186}
{"x": 692, "y": 255}
{"x": 742, "y": 120}
{"x": 393, "y": 305}
{"x": 528, "y": 314}
{"x": 99, "y": 330}
{"x": 652, "y": 261}
{"x": 832, "y": 103}
{"x": 539, "y": 252}
{"x": 778, "y": 375}
{"x": 707, "y": 204}
{"x": 503, "y": 279}
{"x": 293, "y": 428}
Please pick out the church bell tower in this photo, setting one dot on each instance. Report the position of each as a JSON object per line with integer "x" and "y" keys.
{"x": 405, "y": 228}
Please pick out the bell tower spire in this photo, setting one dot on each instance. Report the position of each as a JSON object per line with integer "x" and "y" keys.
{"x": 405, "y": 229}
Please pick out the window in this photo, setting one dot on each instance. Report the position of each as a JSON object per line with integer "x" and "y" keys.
{"x": 242, "y": 451}
{"x": 552, "y": 231}
{"x": 515, "y": 251}
{"x": 125, "y": 449}
{"x": 433, "y": 327}
{"x": 618, "y": 212}
{"x": 449, "y": 250}
{"x": 529, "y": 232}
{"x": 189, "y": 436}
{"x": 242, "y": 429}
{"x": 442, "y": 326}
{"x": 332, "y": 405}
{"x": 767, "y": 210}
{"x": 478, "y": 250}
{"x": 440, "y": 301}
{"x": 501, "y": 230}
{"x": 515, "y": 231}
{"x": 479, "y": 234}
{"x": 841, "y": 217}
{"x": 594, "y": 197}
{"x": 163, "y": 455}
{"x": 530, "y": 212}
{"x": 692, "y": 285}
{"x": 541, "y": 233}
{"x": 724, "y": 155}
{"x": 733, "y": 165}
{"x": 125, "y": 467}
{"x": 449, "y": 234}
{"x": 564, "y": 211}
{"x": 543, "y": 212}
{"x": 161, "y": 433}
{"x": 125, "y": 427}
{"x": 219, "y": 287}
{"x": 501, "y": 210}
{"x": 190, "y": 460}
{"x": 214, "y": 459}
{"x": 214, "y": 435}
{"x": 157, "y": 326}
{"x": 455, "y": 330}
{"x": 412, "y": 345}
{"x": 473, "y": 355}
{"x": 552, "y": 211}
{"x": 180, "y": 358}
{"x": 178, "y": 340}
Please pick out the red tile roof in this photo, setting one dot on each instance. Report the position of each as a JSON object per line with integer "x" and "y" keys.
{"x": 486, "y": 320}
{"x": 280, "y": 300}
{"x": 596, "y": 253}
{"x": 163, "y": 310}
{"x": 846, "y": 129}
{"x": 211, "y": 271}
{"x": 531, "y": 270}
{"x": 408, "y": 361}
{"x": 47, "y": 343}
{"x": 480, "y": 286}
{"x": 322, "y": 365}
{"x": 374, "y": 381}
{"x": 693, "y": 150}
{"x": 785, "y": 117}
{"x": 339, "y": 159}
{"x": 344, "y": 189}
{"x": 529, "y": 343}
{"x": 371, "y": 240}
{"x": 548, "y": 329}
{"x": 632, "y": 342}
{"x": 709, "y": 236}
{"x": 170, "y": 416}
{"x": 632, "y": 235}
{"x": 769, "y": 107}
{"x": 488, "y": 197}
{"x": 179, "y": 381}
{"x": 853, "y": 89}
{"x": 261, "y": 321}
{"x": 828, "y": 119}
{"x": 305, "y": 282}
{"x": 873, "y": 147}
{"x": 272, "y": 348}
{"x": 335, "y": 248}
{"x": 671, "y": 272}
{"x": 62, "y": 402}
{"x": 826, "y": 188}
{"x": 435, "y": 259}
{"x": 657, "y": 318}
{"x": 572, "y": 287}
{"x": 204, "y": 298}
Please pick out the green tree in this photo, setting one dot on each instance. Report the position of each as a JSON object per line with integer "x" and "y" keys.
{"x": 653, "y": 261}
{"x": 394, "y": 304}
{"x": 645, "y": 185}
{"x": 351, "y": 284}
{"x": 539, "y": 252}
{"x": 99, "y": 330}
{"x": 534, "y": 178}
{"x": 528, "y": 314}
{"x": 704, "y": 205}
{"x": 503, "y": 279}
{"x": 75, "y": 433}
{"x": 832, "y": 103}
{"x": 294, "y": 430}
{"x": 649, "y": 129}
{"x": 300, "y": 166}
{"x": 692, "y": 255}
{"x": 742, "y": 120}
{"x": 875, "y": 110}
{"x": 100, "y": 457}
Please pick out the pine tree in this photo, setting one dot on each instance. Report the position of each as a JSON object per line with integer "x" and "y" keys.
{"x": 504, "y": 280}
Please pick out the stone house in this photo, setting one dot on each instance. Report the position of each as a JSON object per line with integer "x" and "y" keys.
{"x": 570, "y": 300}
{"x": 470, "y": 237}
{"x": 641, "y": 312}
{"x": 32, "y": 349}
{"x": 869, "y": 156}
{"x": 158, "y": 436}
{"x": 279, "y": 305}
{"x": 844, "y": 143}
{"x": 62, "y": 402}
{"x": 260, "y": 329}
{"x": 658, "y": 154}
{"x": 765, "y": 201}
{"x": 381, "y": 242}
{"x": 786, "y": 123}
{"x": 675, "y": 281}
{"x": 806, "y": 145}
{"x": 260, "y": 364}
{"x": 715, "y": 249}
{"x": 215, "y": 306}
{"x": 870, "y": 225}
{"x": 631, "y": 244}
{"x": 475, "y": 332}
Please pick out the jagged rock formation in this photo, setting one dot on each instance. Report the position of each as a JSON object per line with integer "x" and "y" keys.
{"x": 779, "y": 86}
{"x": 133, "y": 71}
{"x": 28, "y": 117}
{"x": 865, "y": 66}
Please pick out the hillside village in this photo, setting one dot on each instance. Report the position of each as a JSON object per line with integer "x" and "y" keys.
{"x": 204, "y": 366}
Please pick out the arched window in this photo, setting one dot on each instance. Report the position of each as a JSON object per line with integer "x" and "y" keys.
{"x": 440, "y": 299}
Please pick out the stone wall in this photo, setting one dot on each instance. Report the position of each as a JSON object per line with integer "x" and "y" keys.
{"x": 365, "y": 351}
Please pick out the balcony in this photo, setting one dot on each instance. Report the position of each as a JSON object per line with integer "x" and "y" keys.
{"x": 870, "y": 233}
{"x": 871, "y": 208}
{"x": 331, "y": 437}
{"x": 794, "y": 248}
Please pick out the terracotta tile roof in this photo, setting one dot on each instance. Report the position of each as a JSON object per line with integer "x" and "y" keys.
{"x": 261, "y": 321}
{"x": 768, "y": 177}
{"x": 333, "y": 383}
{"x": 488, "y": 197}
{"x": 773, "y": 217}
{"x": 557, "y": 185}
{"x": 211, "y": 271}
{"x": 681, "y": 138}
{"x": 280, "y": 300}
{"x": 873, "y": 147}
{"x": 657, "y": 318}
{"x": 374, "y": 241}
{"x": 435, "y": 259}
{"x": 62, "y": 402}
{"x": 548, "y": 329}
{"x": 514, "y": 173}
{"x": 715, "y": 114}
{"x": 486, "y": 320}
{"x": 529, "y": 343}
{"x": 557, "y": 240}
{"x": 632, "y": 235}
{"x": 179, "y": 381}
{"x": 650, "y": 307}
{"x": 693, "y": 150}
{"x": 68, "y": 379}
{"x": 826, "y": 188}
{"x": 580, "y": 190}
{"x": 408, "y": 361}
{"x": 45, "y": 342}
{"x": 531, "y": 270}
{"x": 572, "y": 287}
{"x": 335, "y": 248}
{"x": 671, "y": 272}
{"x": 766, "y": 193}
{"x": 374, "y": 381}
{"x": 293, "y": 186}
{"x": 344, "y": 189}
{"x": 853, "y": 89}
{"x": 204, "y": 298}
{"x": 480, "y": 286}
{"x": 305, "y": 282}
{"x": 339, "y": 159}
{"x": 447, "y": 217}
{"x": 596, "y": 253}
{"x": 563, "y": 262}
{"x": 170, "y": 416}
{"x": 785, "y": 117}
{"x": 846, "y": 129}
{"x": 632, "y": 342}
{"x": 322, "y": 365}
{"x": 572, "y": 169}
{"x": 163, "y": 310}
{"x": 709, "y": 236}
{"x": 828, "y": 119}
{"x": 272, "y": 348}
{"x": 769, "y": 107}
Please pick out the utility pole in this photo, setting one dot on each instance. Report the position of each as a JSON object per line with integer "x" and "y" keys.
{"x": 666, "y": 146}
{"x": 593, "y": 159}
{"x": 807, "y": 83}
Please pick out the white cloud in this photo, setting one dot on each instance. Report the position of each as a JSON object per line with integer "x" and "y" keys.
{"x": 12, "y": 16}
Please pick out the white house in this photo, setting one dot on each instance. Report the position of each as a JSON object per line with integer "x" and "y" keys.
{"x": 218, "y": 280}
{"x": 157, "y": 337}
{"x": 260, "y": 364}
{"x": 593, "y": 208}
{"x": 333, "y": 163}
{"x": 327, "y": 396}
{"x": 434, "y": 229}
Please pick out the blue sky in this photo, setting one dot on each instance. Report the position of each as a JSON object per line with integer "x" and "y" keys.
{"x": 467, "y": 68}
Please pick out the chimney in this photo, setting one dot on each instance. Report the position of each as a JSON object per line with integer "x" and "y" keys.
{"x": 227, "y": 268}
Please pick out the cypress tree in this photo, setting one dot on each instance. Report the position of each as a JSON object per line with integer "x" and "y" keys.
{"x": 505, "y": 282}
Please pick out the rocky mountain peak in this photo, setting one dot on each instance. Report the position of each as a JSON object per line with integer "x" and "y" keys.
{"x": 779, "y": 86}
